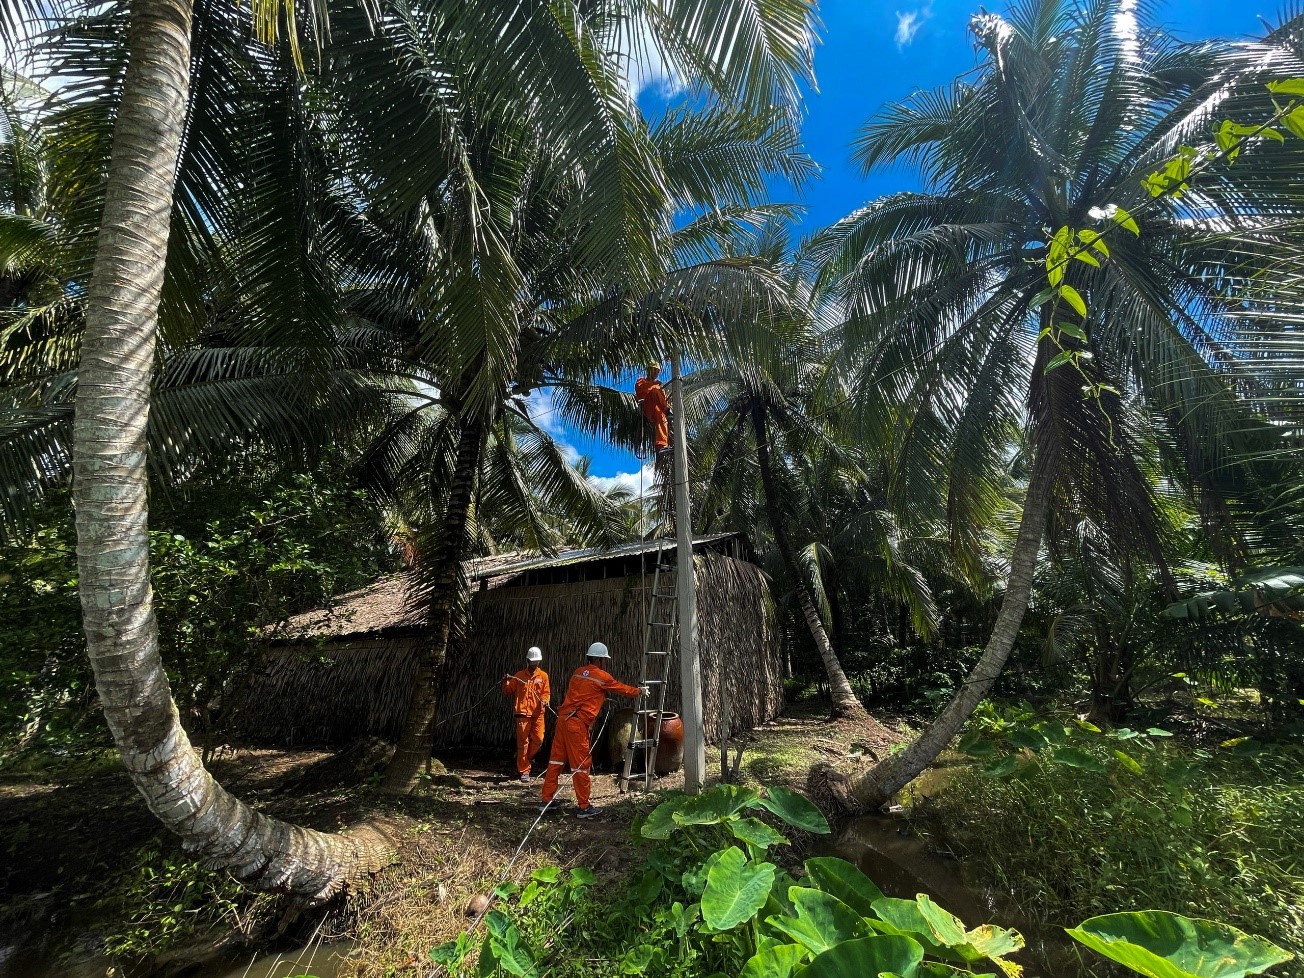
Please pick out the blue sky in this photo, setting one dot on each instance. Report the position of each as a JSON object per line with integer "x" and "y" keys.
{"x": 878, "y": 51}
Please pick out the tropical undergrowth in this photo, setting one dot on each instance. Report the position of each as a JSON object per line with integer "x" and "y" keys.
{"x": 228, "y": 565}
{"x": 165, "y": 898}
{"x": 713, "y": 900}
{"x": 1074, "y": 822}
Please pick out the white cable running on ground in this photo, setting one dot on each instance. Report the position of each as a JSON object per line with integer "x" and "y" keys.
{"x": 475, "y": 923}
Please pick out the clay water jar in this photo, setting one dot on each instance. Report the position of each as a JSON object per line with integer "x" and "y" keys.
{"x": 618, "y": 731}
{"x": 670, "y": 751}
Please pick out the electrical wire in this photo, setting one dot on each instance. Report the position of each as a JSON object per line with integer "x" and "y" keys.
{"x": 543, "y": 810}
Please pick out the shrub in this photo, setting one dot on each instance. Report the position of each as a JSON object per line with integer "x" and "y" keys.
{"x": 711, "y": 902}
{"x": 1074, "y": 823}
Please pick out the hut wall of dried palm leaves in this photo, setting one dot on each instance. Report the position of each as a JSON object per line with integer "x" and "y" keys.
{"x": 329, "y": 692}
{"x": 337, "y": 690}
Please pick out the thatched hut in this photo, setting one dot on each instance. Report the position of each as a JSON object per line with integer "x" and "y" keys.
{"x": 346, "y": 671}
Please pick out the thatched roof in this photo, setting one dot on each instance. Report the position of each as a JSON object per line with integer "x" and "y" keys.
{"x": 358, "y": 684}
{"x": 384, "y": 607}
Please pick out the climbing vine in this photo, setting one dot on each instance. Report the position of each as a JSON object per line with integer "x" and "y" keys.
{"x": 1067, "y": 244}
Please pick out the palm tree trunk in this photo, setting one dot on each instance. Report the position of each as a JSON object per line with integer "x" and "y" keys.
{"x": 446, "y": 598}
{"x": 845, "y": 701}
{"x": 896, "y": 771}
{"x": 110, "y": 494}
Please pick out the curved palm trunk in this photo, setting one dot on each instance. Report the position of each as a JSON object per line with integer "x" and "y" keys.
{"x": 896, "y": 771}
{"x": 109, "y": 493}
{"x": 446, "y": 596}
{"x": 845, "y": 701}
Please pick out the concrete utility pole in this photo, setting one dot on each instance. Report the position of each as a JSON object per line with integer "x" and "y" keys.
{"x": 690, "y": 666}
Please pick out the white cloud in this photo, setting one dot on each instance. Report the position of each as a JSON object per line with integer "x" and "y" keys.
{"x": 645, "y": 68}
{"x": 1125, "y": 28}
{"x": 909, "y": 23}
{"x": 542, "y": 409}
{"x": 627, "y": 480}
{"x": 541, "y": 406}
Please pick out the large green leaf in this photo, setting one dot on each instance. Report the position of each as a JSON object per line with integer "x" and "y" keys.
{"x": 714, "y": 806}
{"x": 1029, "y": 738}
{"x": 735, "y": 889}
{"x": 1002, "y": 767}
{"x": 867, "y": 958}
{"x": 903, "y": 917}
{"x": 943, "y": 934}
{"x": 946, "y": 927}
{"x": 757, "y": 833}
{"x": 1160, "y": 944}
{"x": 775, "y": 961}
{"x": 803, "y": 932}
{"x": 845, "y": 881}
{"x": 661, "y": 823}
{"x": 823, "y": 921}
{"x": 797, "y": 810}
{"x": 505, "y": 944}
{"x": 1076, "y": 757}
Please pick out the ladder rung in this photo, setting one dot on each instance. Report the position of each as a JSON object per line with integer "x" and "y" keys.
{"x": 652, "y": 682}
{"x": 654, "y": 652}
{"x": 662, "y": 624}
{"x": 635, "y": 744}
{"x": 665, "y": 595}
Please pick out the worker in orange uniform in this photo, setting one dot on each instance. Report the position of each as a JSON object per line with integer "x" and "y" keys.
{"x": 529, "y": 692}
{"x": 651, "y": 397}
{"x": 585, "y": 694}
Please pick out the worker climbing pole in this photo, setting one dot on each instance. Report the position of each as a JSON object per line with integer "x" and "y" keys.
{"x": 652, "y": 400}
{"x": 651, "y": 397}
{"x": 672, "y": 476}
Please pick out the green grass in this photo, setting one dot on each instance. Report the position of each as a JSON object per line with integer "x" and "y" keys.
{"x": 1208, "y": 833}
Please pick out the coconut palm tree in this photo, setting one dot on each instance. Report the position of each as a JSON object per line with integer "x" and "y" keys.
{"x": 758, "y": 409}
{"x": 533, "y": 60}
{"x": 570, "y": 320}
{"x": 253, "y": 350}
{"x": 951, "y": 334}
{"x": 755, "y": 420}
{"x": 115, "y": 371}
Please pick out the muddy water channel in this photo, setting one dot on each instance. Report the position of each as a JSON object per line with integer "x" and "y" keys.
{"x": 902, "y": 865}
{"x": 318, "y": 960}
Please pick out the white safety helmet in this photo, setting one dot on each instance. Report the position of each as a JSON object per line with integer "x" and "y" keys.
{"x": 534, "y": 655}
{"x": 598, "y": 651}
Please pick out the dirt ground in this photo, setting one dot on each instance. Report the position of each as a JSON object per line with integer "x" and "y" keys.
{"x": 71, "y": 839}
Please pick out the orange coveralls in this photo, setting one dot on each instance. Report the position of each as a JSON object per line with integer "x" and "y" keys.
{"x": 585, "y": 692}
{"x": 530, "y": 694}
{"x": 651, "y": 396}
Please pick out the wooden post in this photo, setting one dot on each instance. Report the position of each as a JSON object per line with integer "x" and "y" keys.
{"x": 690, "y": 667}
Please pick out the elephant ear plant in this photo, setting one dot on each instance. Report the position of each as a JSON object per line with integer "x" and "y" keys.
{"x": 712, "y": 903}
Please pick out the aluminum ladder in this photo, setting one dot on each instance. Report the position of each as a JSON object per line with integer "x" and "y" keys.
{"x": 658, "y": 653}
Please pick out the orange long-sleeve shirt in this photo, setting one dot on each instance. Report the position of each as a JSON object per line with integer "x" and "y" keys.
{"x": 530, "y": 692}
{"x": 651, "y": 396}
{"x": 587, "y": 688}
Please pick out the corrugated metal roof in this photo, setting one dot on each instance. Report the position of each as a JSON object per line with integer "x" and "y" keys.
{"x": 489, "y": 567}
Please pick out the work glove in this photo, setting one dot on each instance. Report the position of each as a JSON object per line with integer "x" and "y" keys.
{"x": 645, "y": 691}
